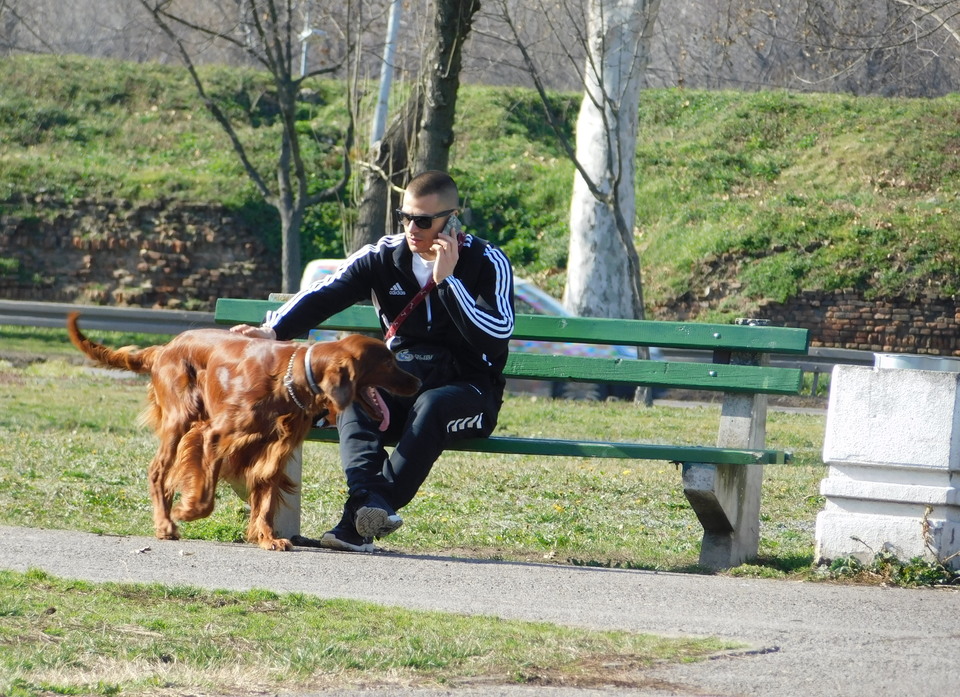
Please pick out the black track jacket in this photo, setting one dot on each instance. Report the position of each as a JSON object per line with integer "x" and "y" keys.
{"x": 470, "y": 312}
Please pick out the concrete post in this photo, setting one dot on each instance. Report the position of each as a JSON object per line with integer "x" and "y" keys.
{"x": 726, "y": 498}
{"x": 286, "y": 521}
{"x": 892, "y": 444}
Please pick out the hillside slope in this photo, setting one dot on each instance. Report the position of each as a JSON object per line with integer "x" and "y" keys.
{"x": 742, "y": 197}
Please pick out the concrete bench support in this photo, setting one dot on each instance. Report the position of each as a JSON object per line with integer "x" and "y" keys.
{"x": 892, "y": 442}
{"x": 726, "y": 498}
{"x": 286, "y": 523}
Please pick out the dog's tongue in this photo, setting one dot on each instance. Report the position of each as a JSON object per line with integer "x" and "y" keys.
{"x": 382, "y": 406}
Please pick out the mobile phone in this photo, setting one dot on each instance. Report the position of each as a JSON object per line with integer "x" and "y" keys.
{"x": 454, "y": 228}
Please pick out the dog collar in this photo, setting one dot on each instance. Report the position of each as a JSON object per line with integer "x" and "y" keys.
{"x": 308, "y": 369}
{"x": 288, "y": 381}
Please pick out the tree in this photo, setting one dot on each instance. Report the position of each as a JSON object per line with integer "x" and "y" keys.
{"x": 266, "y": 32}
{"x": 888, "y": 47}
{"x": 603, "y": 268}
{"x": 384, "y": 176}
{"x": 420, "y": 137}
{"x": 602, "y": 211}
{"x": 14, "y": 25}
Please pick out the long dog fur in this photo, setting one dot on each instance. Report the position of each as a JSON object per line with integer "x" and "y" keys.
{"x": 220, "y": 408}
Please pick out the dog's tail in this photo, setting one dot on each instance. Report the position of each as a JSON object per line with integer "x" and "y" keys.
{"x": 126, "y": 358}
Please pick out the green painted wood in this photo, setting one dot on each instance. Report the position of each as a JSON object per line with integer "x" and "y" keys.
{"x": 536, "y": 366}
{"x": 689, "y": 335}
{"x": 600, "y": 449}
{"x": 241, "y": 311}
{"x": 706, "y": 376}
{"x": 682, "y": 375}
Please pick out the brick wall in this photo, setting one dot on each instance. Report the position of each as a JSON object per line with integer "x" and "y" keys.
{"x": 111, "y": 253}
{"x": 845, "y": 319}
{"x": 183, "y": 256}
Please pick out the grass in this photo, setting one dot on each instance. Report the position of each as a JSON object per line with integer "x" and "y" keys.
{"x": 751, "y": 196}
{"x": 77, "y": 638}
{"x": 72, "y": 456}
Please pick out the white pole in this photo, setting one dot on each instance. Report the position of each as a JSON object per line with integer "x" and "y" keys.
{"x": 386, "y": 73}
{"x": 304, "y": 35}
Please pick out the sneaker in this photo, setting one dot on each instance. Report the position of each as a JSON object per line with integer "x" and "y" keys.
{"x": 346, "y": 539}
{"x": 375, "y": 518}
{"x": 301, "y": 541}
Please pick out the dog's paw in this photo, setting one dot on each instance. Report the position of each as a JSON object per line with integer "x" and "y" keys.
{"x": 276, "y": 544}
{"x": 167, "y": 531}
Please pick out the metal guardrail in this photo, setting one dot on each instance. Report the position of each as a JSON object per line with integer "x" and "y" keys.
{"x": 819, "y": 359}
{"x": 121, "y": 319}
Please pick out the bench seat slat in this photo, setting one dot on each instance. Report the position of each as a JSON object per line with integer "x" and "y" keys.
{"x": 600, "y": 449}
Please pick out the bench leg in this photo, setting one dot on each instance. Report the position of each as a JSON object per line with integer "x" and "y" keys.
{"x": 286, "y": 521}
{"x": 726, "y": 499}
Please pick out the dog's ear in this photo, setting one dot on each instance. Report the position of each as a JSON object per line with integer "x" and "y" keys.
{"x": 338, "y": 382}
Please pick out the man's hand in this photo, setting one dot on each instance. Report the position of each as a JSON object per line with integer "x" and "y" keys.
{"x": 448, "y": 253}
{"x": 254, "y": 332}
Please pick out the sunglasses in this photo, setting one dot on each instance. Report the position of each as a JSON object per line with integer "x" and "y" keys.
{"x": 421, "y": 221}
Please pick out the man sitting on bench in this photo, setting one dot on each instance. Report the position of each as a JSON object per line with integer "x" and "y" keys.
{"x": 445, "y": 302}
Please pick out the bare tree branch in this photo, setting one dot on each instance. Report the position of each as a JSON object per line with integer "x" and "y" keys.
{"x": 160, "y": 16}
{"x": 265, "y": 31}
{"x": 10, "y": 8}
{"x": 552, "y": 119}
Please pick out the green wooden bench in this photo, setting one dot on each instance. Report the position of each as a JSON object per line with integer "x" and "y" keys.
{"x": 722, "y": 481}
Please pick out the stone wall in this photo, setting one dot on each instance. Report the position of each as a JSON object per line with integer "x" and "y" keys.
{"x": 111, "y": 253}
{"x": 846, "y": 320}
{"x": 186, "y": 256}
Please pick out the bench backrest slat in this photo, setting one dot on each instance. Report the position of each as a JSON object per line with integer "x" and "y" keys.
{"x": 240, "y": 311}
{"x": 689, "y": 335}
{"x": 693, "y": 376}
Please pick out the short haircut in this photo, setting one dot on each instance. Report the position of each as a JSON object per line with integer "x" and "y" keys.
{"x": 434, "y": 182}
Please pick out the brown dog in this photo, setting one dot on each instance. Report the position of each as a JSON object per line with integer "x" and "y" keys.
{"x": 225, "y": 406}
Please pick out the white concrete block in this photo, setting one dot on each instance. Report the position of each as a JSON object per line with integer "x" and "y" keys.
{"x": 899, "y": 417}
{"x": 892, "y": 441}
{"x": 896, "y": 474}
{"x": 842, "y": 534}
{"x": 883, "y": 493}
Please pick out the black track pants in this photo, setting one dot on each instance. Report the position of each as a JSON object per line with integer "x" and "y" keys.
{"x": 421, "y": 427}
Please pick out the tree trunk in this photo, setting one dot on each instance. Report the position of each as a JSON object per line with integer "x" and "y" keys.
{"x": 603, "y": 270}
{"x": 290, "y": 221}
{"x": 421, "y": 137}
{"x": 388, "y": 170}
{"x": 453, "y": 22}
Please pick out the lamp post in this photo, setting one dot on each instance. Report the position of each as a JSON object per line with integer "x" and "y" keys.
{"x": 386, "y": 73}
{"x": 307, "y": 32}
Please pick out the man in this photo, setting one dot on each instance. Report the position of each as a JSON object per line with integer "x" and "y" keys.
{"x": 454, "y": 338}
